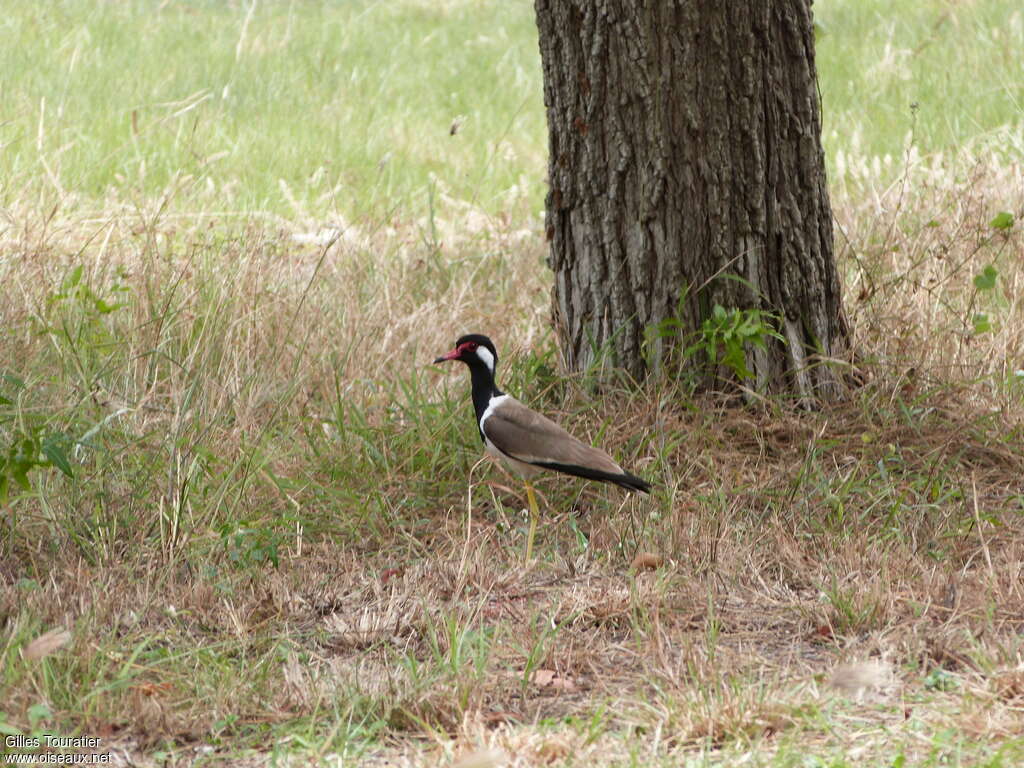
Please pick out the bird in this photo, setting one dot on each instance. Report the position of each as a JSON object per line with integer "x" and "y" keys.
{"x": 525, "y": 441}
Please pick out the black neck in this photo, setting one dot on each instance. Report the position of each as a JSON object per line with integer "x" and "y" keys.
{"x": 484, "y": 387}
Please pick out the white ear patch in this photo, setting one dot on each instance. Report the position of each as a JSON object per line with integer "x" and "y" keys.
{"x": 485, "y": 355}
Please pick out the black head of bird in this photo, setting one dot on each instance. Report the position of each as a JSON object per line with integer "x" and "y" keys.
{"x": 526, "y": 441}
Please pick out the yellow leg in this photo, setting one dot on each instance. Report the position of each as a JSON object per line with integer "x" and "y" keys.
{"x": 534, "y": 514}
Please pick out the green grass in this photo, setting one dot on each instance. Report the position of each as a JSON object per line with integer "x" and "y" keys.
{"x": 947, "y": 72}
{"x": 258, "y": 510}
{"x": 346, "y": 108}
{"x": 295, "y": 109}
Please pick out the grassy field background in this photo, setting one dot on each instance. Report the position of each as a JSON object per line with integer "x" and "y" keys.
{"x": 243, "y": 519}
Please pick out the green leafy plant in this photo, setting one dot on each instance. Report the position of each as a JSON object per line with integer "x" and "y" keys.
{"x": 32, "y": 450}
{"x": 986, "y": 279}
{"x": 39, "y": 714}
{"x": 28, "y": 447}
{"x": 1002, "y": 221}
{"x": 940, "y": 680}
{"x": 74, "y": 290}
{"x": 726, "y": 334}
{"x": 247, "y": 544}
{"x": 984, "y": 282}
{"x": 78, "y": 314}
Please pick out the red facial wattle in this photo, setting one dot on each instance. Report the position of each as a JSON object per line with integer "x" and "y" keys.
{"x": 456, "y": 354}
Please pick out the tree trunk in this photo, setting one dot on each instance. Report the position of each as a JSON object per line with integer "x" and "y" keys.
{"x": 685, "y": 151}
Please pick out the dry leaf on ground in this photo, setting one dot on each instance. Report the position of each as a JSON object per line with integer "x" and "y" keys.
{"x": 647, "y": 561}
{"x": 548, "y": 678}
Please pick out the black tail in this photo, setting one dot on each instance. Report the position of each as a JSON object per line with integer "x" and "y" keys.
{"x": 625, "y": 480}
{"x": 631, "y": 482}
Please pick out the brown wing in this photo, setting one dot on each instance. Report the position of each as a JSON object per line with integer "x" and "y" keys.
{"x": 533, "y": 438}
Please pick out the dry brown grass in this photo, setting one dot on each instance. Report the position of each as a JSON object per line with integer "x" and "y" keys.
{"x": 255, "y": 377}
{"x": 441, "y": 648}
{"x": 913, "y": 250}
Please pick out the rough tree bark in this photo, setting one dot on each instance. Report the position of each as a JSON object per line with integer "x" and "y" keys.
{"x": 685, "y": 147}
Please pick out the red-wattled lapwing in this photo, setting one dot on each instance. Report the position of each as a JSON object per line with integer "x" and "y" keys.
{"x": 523, "y": 439}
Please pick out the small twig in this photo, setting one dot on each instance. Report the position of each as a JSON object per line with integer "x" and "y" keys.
{"x": 469, "y": 514}
{"x": 981, "y": 535}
